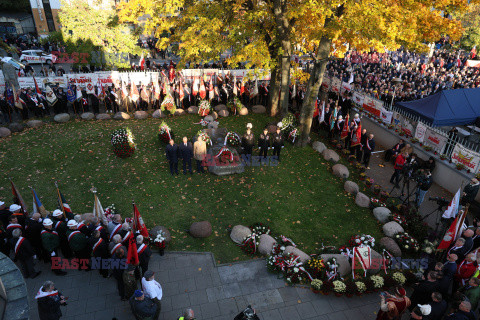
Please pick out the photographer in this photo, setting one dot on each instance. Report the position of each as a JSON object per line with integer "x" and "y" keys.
{"x": 424, "y": 183}
{"x": 49, "y": 301}
{"x": 398, "y": 166}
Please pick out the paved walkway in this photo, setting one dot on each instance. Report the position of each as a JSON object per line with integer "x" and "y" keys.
{"x": 213, "y": 292}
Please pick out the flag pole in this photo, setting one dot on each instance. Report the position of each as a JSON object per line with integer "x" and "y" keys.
{"x": 60, "y": 200}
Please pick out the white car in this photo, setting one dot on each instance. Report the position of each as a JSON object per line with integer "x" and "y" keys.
{"x": 37, "y": 56}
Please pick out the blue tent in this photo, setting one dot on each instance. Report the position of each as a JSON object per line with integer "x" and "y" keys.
{"x": 446, "y": 108}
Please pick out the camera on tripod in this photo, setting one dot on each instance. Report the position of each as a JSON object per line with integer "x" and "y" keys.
{"x": 439, "y": 200}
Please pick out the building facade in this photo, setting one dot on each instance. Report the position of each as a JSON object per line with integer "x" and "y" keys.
{"x": 45, "y": 15}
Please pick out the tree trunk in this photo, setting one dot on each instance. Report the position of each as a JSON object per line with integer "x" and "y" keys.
{"x": 274, "y": 91}
{"x": 285, "y": 89}
{"x": 314, "y": 83}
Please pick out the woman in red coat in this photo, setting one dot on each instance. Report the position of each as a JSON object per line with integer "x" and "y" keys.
{"x": 393, "y": 306}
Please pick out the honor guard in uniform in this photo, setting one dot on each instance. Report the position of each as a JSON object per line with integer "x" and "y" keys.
{"x": 77, "y": 241}
{"x": 82, "y": 226}
{"x": 95, "y": 225}
{"x": 99, "y": 249}
{"x": 12, "y": 226}
{"x": 144, "y": 254}
{"x": 15, "y": 210}
{"x": 277, "y": 143}
{"x": 60, "y": 225}
{"x": 248, "y": 140}
{"x": 115, "y": 244}
{"x": 33, "y": 227}
{"x": 24, "y": 253}
{"x": 125, "y": 233}
{"x": 264, "y": 143}
{"x": 51, "y": 242}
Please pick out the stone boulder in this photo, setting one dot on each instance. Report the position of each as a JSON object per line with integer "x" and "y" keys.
{"x": 208, "y": 118}
{"x": 239, "y": 233}
{"x": 155, "y": 230}
{"x": 339, "y": 170}
{"x": 344, "y": 266}
{"x": 220, "y": 107}
{"x": 391, "y": 246}
{"x": 192, "y": 110}
{"x": 223, "y": 113}
{"x": 382, "y": 214}
{"x": 375, "y": 267}
{"x": 213, "y": 125}
{"x": 243, "y": 111}
{"x": 34, "y": 123}
{"x": 214, "y": 115}
{"x": 157, "y": 114}
{"x": 330, "y": 155}
{"x": 88, "y": 116}
{"x": 362, "y": 200}
{"x": 392, "y": 228}
{"x": 121, "y": 116}
{"x": 351, "y": 187}
{"x": 5, "y": 132}
{"x": 61, "y": 117}
{"x": 140, "y": 115}
{"x": 266, "y": 244}
{"x": 179, "y": 112}
{"x": 259, "y": 109}
{"x": 103, "y": 116}
{"x": 318, "y": 146}
{"x": 201, "y": 229}
{"x": 303, "y": 256}
{"x": 16, "y": 127}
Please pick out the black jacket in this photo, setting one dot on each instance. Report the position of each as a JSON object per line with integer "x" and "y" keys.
{"x": 423, "y": 291}
{"x": 264, "y": 141}
{"x": 25, "y": 250}
{"x": 172, "y": 153}
{"x": 143, "y": 308}
{"x": 49, "y": 307}
{"x": 186, "y": 152}
{"x": 277, "y": 140}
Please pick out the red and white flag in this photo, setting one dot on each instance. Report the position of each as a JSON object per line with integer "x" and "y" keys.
{"x": 195, "y": 87}
{"x": 37, "y": 89}
{"x": 132, "y": 254}
{"x": 203, "y": 92}
{"x": 134, "y": 95}
{"x": 138, "y": 224}
{"x": 455, "y": 230}
{"x": 452, "y": 209}
{"x": 180, "y": 91}
{"x": 211, "y": 92}
{"x": 254, "y": 91}
{"x": 141, "y": 63}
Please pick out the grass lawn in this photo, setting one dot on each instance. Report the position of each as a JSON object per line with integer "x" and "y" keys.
{"x": 300, "y": 198}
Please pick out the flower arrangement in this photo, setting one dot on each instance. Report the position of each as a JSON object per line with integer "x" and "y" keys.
{"x": 339, "y": 286}
{"x": 234, "y": 105}
{"x": 362, "y": 239}
{"x": 384, "y": 195}
{"x": 293, "y": 271}
{"x": 204, "y": 108}
{"x": 123, "y": 143}
{"x": 159, "y": 240}
{"x": 165, "y": 132}
{"x": 293, "y": 135}
{"x": 406, "y": 242}
{"x": 377, "y": 281}
{"x": 377, "y": 203}
{"x": 109, "y": 212}
{"x": 346, "y": 251}
{"x": 316, "y": 284}
{"x": 429, "y": 247}
{"x": 414, "y": 140}
{"x": 168, "y": 104}
{"x": 369, "y": 182}
{"x": 316, "y": 267}
{"x": 398, "y": 218}
{"x": 284, "y": 241}
{"x": 427, "y": 148}
{"x": 376, "y": 189}
{"x": 250, "y": 244}
{"x": 443, "y": 156}
{"x": 361, "y": 287}
{"x": 401, "y": 134}
{"x": 224, "y": 155}
{"x": 459, "y": 166}
{"x": 399, "y": 278}
{"x": 288, "y": 122}
{"x": 259, "y": 228}
{"x": 205, "y": 137}
{"x": 232, "y": 139}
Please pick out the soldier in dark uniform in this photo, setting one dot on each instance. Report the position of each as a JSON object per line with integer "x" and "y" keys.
{"x": 33, "y": 228}
{"x": 115, "y": 245}
{"x": 125, "y": 233}
{"x": 60, "y": 225}
{"x": 51, "y": 242}
{"x": 24, "y": 253}
{"x": 264, "y": 143}
{"x": 98, "y": 248}
{"x": 15, "y": 209}
{"x": 4, "y": 214}
{"x": 248, "y": 141}
{"x": 144, "y": 254}
{"x": 77, "y": 241}
{"x": 13, "y": 224}
{"x": 277, "y": 143}
{"x": 83, "y": 227}
{"x": 95, "y": 225}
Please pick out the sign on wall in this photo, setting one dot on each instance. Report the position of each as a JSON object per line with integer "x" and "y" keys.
{"x": 466, "y": 157}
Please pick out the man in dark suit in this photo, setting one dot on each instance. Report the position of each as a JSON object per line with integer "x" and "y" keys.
{"x": 368, "y": 148}
{"x": 424, "y": 289}
{"x": 459, "y": 249}
{"x": 23, "y": 253}
{"x": 186, "y": 153}
{"x": 33, "y": 228}
{"x": 439, "y": 306}
{"x": 172, "y": 156}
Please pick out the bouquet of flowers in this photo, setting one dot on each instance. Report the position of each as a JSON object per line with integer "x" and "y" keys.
{"x": 399, "y": 219}
{"x": 159, "y": 240}
{"x": 293, "y": 135}
{"x": 234, "y": 105}
{"x": 122, "y": 143}
{"x": 339, "y": 286}
{"x": 377, "y": 281}
{"x": 362, "y": 239}
{"x": 346, "y": 251}
{"x": 361, "y": 287}
{"x": 399, "y": 278}
{"x": 288, "y": 122}
{"x": 224, "y": 155}
{"x": 109, "y": 212}
{"x": 168, "y": 104}
{"x": 204, "y": 108}
{"x": 429, "y": 247}
{"x": 293, "y": 270}
{"x": 316, "y": 284}
{"x": 165, "y": 133}
{"x": 205, "y": 137}
{"x": 406, "y": 242}
{"x": 260, "y": 228}
{"x": 331, "y": 269}
{"x": 377, "y": 203}
{"x": 316, "y": 267}
{"x": 232, "y": 139}
{"x": 284, "y": 241}
{"x": 250, "y": 244}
